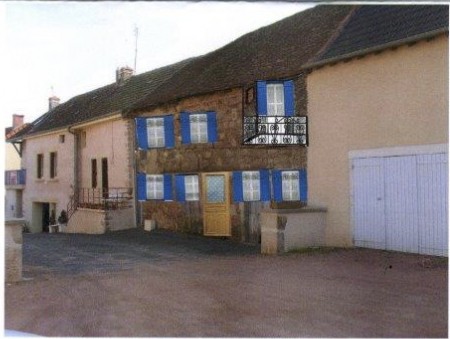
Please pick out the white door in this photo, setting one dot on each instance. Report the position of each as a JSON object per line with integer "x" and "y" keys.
{"x": 400, "y": 203}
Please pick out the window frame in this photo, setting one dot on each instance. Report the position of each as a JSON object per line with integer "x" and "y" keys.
{"x": 40, "y": 166}
{"x": 198, "y": 129}
{"x": 191, "y": 189}
{"x": 157, "y": 132}
{"x": 290, "y": 186}
{"x": 53, "y": 170}
{"x": 154, "y": 186}
{"x": 251, "y": 185}
{"x": 278, "y": 103}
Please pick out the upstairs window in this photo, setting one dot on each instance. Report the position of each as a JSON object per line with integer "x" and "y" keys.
{"x": 187, "y": 187}
{"x": 154, "y": 187}
{"x": 94, "y": 173}
{"x": 155, "y": 132}
{"x": 40, "y": 166}
{"x": 53, "y": 165}
{"x": 197, "y": 128}
{"x": 275, "y": 98}
{"x": 251, "y": 186}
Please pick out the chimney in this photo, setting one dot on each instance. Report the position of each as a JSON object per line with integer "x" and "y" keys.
{"x": 123, "y": 74}
{"x": 53, "y": 102}
{"x": 17, "y": 120}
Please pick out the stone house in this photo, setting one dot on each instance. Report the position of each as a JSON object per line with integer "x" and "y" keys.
{"x": 78, "y": 157}
{"x": 378, "y": 130}
{"x": 225, "y": 137}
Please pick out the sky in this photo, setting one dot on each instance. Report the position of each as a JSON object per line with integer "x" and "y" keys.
{"x": 69, "y": 48}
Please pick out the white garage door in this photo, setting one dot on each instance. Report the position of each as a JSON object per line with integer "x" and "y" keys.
{"x": 400, "y": 203}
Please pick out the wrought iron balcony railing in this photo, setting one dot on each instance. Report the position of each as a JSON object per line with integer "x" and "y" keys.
{"x": 275, "y": 130}
{"x": 15, "y": 177}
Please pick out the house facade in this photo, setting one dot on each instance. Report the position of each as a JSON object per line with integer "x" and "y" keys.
{"x": 231, "y": 141}
{"x": 378, "y": 124}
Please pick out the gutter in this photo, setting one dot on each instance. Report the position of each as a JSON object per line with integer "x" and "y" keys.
{"x": 375, "y": 49}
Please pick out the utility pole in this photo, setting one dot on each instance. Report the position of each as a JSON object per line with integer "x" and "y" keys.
{"x": 136, "y": 32}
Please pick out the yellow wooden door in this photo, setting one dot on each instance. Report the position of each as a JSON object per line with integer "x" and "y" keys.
{"x": 216, "y": 204}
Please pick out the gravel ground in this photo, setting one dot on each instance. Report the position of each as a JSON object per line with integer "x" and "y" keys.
{"x": 135, "y": 284}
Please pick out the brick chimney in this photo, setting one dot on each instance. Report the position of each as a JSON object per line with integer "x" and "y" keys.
{"x": 17, "y": 120}
{"x": 123, "y": 74}
{"x": 53, "y": 102}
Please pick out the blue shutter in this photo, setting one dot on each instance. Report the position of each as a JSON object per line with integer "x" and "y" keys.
{"x": 212, "y": 127}
{"x": 238, "y": 194}
{"x": 261, "y": 97}
{"x": 169, "y": 131}
{"x": 277, "y": 186}
{"x": 167, "y": 187}
{"x": 141, "y": 184}
{"x": 289, "y": 107}
{"x": 185, "y": 128}
{"x": 180, "y": 187}
{"x": 141, "y": 133}
{"x": 303, "y": 182}
{"x": 264, "y": 185}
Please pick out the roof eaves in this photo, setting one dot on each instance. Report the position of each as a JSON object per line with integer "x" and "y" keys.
{"x": 375, "y": 49}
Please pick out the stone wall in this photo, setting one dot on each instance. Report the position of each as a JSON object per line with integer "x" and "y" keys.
{"x": 120, "y": 219}
{"x": 87, "y": 221}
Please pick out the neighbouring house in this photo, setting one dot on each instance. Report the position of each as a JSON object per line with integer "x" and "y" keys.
{"x": 78, "y": 157}
{"x": 378, "y": 130}
{"x": 226, "y": 137}
{"x": 14, "y": 174}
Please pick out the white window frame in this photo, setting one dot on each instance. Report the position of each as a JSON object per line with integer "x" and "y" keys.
{"x": 155, "y": 187}
{"x": 275, "y": 99}
{"x": 198, "y": 125}
{"x": 290, "y": 185}
{"x": 155, "y": 132}
{"x": 191, "y": 189}
{"x": 251, "y": 185}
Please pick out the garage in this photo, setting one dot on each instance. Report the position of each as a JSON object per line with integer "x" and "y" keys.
{"x": 400, "y": 201}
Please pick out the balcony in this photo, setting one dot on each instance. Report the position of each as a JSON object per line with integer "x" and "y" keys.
{"x": 275, "y": 131}
{"x": 15, "y": 177}
{"x": 105, "y": 199}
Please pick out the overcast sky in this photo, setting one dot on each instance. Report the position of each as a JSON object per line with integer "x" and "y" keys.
{"x": 75, "y": 47}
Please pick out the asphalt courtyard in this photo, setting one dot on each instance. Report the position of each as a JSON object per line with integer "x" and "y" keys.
{"x": 161, "y": 284}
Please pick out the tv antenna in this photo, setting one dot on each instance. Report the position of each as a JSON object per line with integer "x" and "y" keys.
{"x": 136, "y": 33}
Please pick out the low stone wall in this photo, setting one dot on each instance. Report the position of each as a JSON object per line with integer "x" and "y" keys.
{"x": 87, "y": 221}
{"x": 13, "y": 249}
{"x": 121, "y": 219}
{"x": 285, "y": 230}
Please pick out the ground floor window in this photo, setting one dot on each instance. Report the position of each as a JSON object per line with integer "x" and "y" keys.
{"x": 290, "y": 182}
{"x": 251, "y": 185}
{"x": 155, "y": 187}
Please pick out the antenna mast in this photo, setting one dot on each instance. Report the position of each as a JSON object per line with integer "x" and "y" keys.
{"x": 136, "y": 32}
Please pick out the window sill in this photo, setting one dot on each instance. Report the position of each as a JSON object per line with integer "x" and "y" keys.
{"x": 53, "y": 180}
{"x": 39, "y": 180}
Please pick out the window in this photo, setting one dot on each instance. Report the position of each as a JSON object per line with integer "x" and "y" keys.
{"x": 198, "y": 124}
{"x": 40, "y": 166}
{"x": 155, "y": 187}
{"x": 251, "y": 186}
{"x": 53, "y": 165}
{"x": 186, "y": 187}
{"x": 290, "y": 185}
{"x": 275, "y": 98}
{"x": 62, "y": 138}
{"x": 155, "y": 132}
{"x": 191, "y": 187}
{"x": 291, "y": 190}
{"x": 94, "y": 173}
{"x": 198, "y": 127}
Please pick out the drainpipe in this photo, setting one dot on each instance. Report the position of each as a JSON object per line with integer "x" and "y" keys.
{"x": 134, "y": 153}
{"x": 75, "y": 160}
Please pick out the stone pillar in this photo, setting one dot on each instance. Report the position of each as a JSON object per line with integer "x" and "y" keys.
{"x": 272, "y": 233}
{"x": 13, "y": 249}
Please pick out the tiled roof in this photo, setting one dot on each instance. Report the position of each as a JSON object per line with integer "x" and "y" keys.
{"x": 17, "y": 133}
{"x": 377, "y": 26}
{"x": 106, "y": 100}
{"x": 275, "y": 51}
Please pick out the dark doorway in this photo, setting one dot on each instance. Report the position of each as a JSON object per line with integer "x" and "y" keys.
{"x": 105, "y": 185}
{"x": 45, "y": 217}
